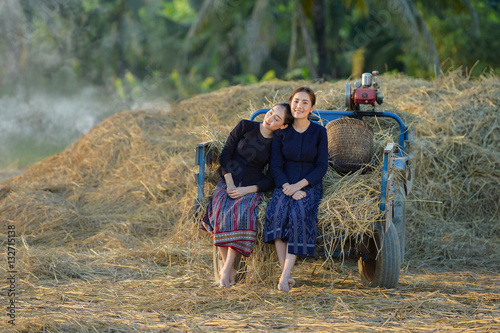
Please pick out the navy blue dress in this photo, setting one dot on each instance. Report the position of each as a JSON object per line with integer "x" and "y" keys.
{"x": 296, "y": 156}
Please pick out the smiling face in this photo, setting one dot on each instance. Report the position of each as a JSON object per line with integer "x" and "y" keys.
{"x": 275, "y": 118}
{"x": 301, "y": 105}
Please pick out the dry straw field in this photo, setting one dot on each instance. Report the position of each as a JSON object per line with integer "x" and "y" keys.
{"x": 106, "y": 241}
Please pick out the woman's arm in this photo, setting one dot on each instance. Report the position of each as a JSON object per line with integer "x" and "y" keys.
{"x": 321, "y": 164}
{"x": 227, "y": 153}
{"x": 266, "y": 183}
{"x": 277, "y": 161}
{"x": 228, "y": 177}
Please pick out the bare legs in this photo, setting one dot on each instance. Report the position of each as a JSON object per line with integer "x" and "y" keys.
{"x": 227, "y": 273}
{"x": 287, "y": 261}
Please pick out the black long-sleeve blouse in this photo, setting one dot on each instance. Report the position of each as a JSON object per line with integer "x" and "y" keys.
{"x": 245, "y": 155}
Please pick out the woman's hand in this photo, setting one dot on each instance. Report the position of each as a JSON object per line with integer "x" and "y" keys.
{"x": 299, "y": 195}
{"x": 291, "y": 189}
{"x": 230, "y": 188}
{"x": 238, "y": 192}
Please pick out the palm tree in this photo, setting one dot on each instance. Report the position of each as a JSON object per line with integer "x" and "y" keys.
{"x": 300, "y": 16}
{"x": 320, "y": 33}
{"x": 13, "y": 41}
{"x": 412, "y": 23}
{"x": 216, "y": 38}
{"x": 259, "y": 32}
{"x": 243, "y": 35}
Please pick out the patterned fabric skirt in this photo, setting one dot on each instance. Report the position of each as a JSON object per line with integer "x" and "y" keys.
{"x": 232, "y": 221}
{"x": 294, "y": 221}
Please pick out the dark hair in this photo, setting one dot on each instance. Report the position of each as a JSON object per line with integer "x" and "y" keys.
{"x": 288, "y": 113}
{"x": 307, "y": 90}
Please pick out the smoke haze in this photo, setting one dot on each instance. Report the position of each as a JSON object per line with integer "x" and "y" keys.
{"x": 37, "y": 124}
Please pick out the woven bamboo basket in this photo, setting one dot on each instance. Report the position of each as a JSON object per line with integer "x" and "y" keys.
{"x": 350, "y": 143}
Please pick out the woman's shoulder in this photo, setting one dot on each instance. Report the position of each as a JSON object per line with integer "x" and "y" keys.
{"x": 283, "y": 132}
{"x": 245, "y": 125}
{"x": 317, "y": 128}
{"x": 249, "y": 123}
{"x": 316, "y": 125}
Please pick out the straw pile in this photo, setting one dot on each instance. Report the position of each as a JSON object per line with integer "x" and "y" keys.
{"x": 454, "y": 216}
{"x": 107, "y": 242}
{"x": 110, "y": 182}
{"x": 130, "y": 178}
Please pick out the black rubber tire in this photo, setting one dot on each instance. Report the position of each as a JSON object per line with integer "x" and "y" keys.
{"x": 239, "y": 265}
{"x": 381, "y": 270}
{"x": 399, "y": 218}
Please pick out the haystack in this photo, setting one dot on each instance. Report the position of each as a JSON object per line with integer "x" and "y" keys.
{"x": 112, "y": 180}
{"x": 130, "y": 179}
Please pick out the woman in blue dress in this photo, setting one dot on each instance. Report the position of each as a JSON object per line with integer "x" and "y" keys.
{"x": 299, "y": 160}
{"x": 232, "y": 213}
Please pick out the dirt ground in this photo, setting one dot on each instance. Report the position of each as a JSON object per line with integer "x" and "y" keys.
{"x": 158, "y": 291}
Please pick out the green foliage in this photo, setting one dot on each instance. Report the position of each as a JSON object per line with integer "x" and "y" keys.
{"x": 246, "y": 79}
{"x": 179, "y": 48}
{"x": 178, "y": 11}
{"x": 460, "y": 45}
{"x": 88, "y": 5}
{"x": 270, "y": 75}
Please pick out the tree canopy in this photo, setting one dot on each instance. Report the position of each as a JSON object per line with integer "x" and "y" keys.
{"x": 191, "y": 46}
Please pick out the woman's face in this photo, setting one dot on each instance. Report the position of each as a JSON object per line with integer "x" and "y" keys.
{"x": 301, "y": 105}
{"x": 275, "y": 118}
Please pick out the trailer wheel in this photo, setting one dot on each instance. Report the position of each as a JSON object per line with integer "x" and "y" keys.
{"x": 239, "y": 265}
{"x": 381, "y": 268}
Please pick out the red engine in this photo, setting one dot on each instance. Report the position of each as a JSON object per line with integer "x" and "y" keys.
{"x": 365, "y": 96}
{"x": 364, "y": 93}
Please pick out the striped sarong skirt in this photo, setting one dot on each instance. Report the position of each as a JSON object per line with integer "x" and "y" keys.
{"x": 232, "y": 221}
{"x": 294, "y": 221}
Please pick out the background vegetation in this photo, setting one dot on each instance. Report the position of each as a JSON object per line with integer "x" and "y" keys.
{"x": 197, "y": 45}
{"x": 66, "y": 65}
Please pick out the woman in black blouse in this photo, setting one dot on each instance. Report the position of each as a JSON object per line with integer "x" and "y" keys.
{"x": 299, "y": 160}
{"x": 232, "y": 212}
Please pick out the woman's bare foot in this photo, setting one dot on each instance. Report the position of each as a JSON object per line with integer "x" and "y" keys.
{"x": 232, "y": 279}
{"x": 286, "y": 283}
{"x": 227, "y": 277}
